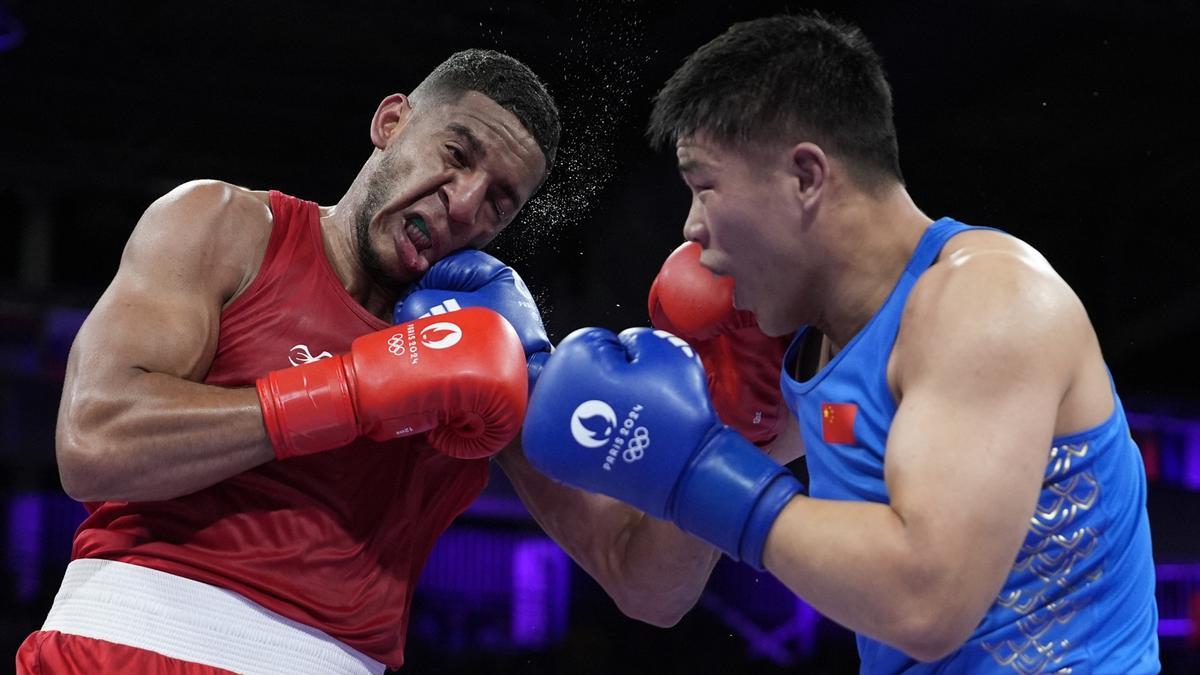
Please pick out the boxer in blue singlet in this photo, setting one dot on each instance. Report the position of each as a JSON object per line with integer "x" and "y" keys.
{"x": 1081, "y": 593}
{"x": 976, "y": 503}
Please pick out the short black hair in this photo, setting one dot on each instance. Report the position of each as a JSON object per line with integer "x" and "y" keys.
{"x": 506, "y": 81}
{"x": 773, "y": 78}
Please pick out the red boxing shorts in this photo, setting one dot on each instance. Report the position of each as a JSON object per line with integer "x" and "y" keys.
{"x": 52, "y": 652}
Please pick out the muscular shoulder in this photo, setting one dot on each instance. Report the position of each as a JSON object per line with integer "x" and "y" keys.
{"x": 210, "y": 210}
{"x": 208, "y": 231}
{"x": 213, "y": 201}
{"x": 991, "y": 300}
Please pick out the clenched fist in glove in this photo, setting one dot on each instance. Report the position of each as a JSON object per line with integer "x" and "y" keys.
{"x": 629, "y": 416}
{"x": 462, "y": 378}
{"x": 471, "y": 278}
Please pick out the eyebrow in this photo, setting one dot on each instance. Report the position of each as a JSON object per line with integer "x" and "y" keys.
{"x": 691, "y": 165}
{"x": 467, "y": 136}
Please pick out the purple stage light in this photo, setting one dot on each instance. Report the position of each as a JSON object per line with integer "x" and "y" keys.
{"x": 41, "y": 525}
{"x": 776, "y": 625}
{"x": 540, "y": 585}
{"x": 25, "y": 525}
{"x": 12, "y": 31}
{"x": 1170, "y": 447}
{"x": 805, "y": 627}
{"x": 1178, "y": 585}
{"x": 1191, "y": 457}
{"x": 493, "y": 590}
{"x": 59, "y": 329}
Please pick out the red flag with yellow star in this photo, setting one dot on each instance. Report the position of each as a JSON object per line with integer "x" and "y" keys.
{"x": 837, "y": 422}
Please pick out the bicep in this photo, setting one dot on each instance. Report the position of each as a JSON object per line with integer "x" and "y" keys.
{"x": 968, "y": 446}
{"x": 139, "y": 325}
{"x": 161, "y": 312}
{"x": 965, "y": 470}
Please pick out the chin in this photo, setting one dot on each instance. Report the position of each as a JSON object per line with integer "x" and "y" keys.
{"x": 394, "y": 277}
{"x": 764, "y": 324}
{"x": 772, "y": 327}
{"x": 774, "y": 331}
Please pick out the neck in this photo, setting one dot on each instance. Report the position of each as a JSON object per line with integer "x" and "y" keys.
{"x": 337, "y": 231}
{"x": 875, "y": 238}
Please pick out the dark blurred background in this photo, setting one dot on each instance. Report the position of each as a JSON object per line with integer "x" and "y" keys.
{"x": 1071, "y": 124}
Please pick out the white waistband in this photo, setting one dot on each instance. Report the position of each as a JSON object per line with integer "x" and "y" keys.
{"x": 192, "y": 621}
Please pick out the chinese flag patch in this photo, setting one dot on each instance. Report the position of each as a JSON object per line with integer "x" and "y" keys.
{"x": 837, "y": 422}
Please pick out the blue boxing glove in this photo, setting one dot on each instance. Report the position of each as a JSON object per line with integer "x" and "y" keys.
{"x": 629, "y": 416}
{"x": 470, "y": 278}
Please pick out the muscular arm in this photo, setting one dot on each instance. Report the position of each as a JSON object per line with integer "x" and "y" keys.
{"x": 652, "y": 570}
{"x": 984, "y": 360}
{"x": 134, "y": 423}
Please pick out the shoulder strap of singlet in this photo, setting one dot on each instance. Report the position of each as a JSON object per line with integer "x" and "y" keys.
{"x": 293, "y": 219}
{"x": 887, "y": 318}
{"x": 932, "y": 241}
{"x": 931, "y": 244}
{"x": 289, "y": 229}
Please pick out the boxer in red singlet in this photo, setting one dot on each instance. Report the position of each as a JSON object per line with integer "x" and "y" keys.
{"x": 244, "y": 424}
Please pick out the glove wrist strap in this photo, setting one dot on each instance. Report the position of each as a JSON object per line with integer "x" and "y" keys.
{"x": 308, "y": 408}
{"x": 732, "y": 495}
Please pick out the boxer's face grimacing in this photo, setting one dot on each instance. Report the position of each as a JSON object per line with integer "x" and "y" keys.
{"x": 452, "y": 175}
{"x": 743, "y": 217}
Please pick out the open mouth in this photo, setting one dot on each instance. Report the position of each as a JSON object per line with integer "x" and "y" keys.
{"x": 417, "y": 231}
{"x": 414, "y": 244}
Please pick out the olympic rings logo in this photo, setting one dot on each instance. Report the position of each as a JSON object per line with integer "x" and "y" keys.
{"x": 396, "y": 344}
{"x": 637, "y": 445}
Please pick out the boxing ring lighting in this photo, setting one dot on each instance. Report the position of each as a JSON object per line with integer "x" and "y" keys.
{"x": 486, "y": 590}
{"x": 1178, "y": 595}
{"x": 492, "y": 582}
{"x": 493, "y": 590}
{"x": 1170, "y": 447}
{"x": 12, "y": 31}
{"x": 25, "y": 551}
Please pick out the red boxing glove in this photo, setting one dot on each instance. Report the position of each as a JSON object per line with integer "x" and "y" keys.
{"x": 461, "y": 378}
{"x": 743, "y": 364}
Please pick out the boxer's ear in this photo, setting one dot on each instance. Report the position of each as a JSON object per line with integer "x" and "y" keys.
{"x": 809, "y": 166}
{"x": 391, "y": 116}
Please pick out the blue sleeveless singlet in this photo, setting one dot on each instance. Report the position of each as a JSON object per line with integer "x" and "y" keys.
{"x": 1080, "y": 596}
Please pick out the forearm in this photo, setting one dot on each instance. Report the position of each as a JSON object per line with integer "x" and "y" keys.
{"x": 151, "y": 436}
{"x": 860, "y": 565}
{"x": 663, "y": 569}
{"x": 653, "y": 570}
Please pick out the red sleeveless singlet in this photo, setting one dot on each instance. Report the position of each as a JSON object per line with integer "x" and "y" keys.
{"x": 334, "y": 540}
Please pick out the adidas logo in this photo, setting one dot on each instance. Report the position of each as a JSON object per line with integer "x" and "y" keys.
{"x": 446, "y": 306}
